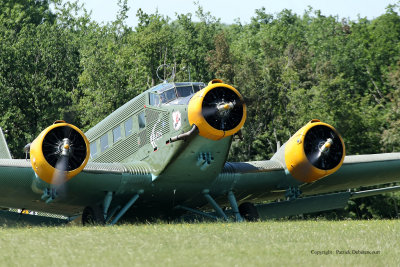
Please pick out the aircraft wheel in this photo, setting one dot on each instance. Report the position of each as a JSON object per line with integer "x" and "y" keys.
{"x": 93, "y": 215}
{"x": 248, "y": 211}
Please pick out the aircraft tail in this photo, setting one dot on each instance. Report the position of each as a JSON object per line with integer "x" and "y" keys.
{"x": 4, "y": 151}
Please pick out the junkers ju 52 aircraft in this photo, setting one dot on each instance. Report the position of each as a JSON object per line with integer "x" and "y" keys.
{"x": 164, "y": 154}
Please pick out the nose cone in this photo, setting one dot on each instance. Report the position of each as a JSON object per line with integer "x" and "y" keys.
{"x": 218, "y": 111}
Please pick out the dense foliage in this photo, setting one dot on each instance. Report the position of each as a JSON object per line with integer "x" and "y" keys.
{"x": 57, "y": 63}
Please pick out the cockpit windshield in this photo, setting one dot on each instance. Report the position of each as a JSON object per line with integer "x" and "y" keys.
{"x": 184, "y": 91}
{"x": 168, "y": 92}
{"x": 168, "y": 96}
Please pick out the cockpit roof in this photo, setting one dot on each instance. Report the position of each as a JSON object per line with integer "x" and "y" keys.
{"x": 173, "y": 93}
{"x": 158, "y": 89}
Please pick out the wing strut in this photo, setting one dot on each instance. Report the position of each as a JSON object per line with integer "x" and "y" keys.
{"x": 126, "y": 207}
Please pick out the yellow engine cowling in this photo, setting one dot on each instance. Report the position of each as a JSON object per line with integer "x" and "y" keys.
{"x": 218, "y": 110}
{"x": 61, "y": 150}
{"x": 314, "y": 151}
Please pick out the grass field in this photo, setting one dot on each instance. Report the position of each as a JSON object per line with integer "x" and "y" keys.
{"x": 272, "y": 243}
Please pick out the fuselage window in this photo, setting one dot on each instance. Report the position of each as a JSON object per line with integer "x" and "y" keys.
{"x": 168, "y": 96}
{"x": 93, "y": 149}
{"x": 128, "y": 127}
{"x": 104, "y": 142}
{"x": 142, "y": 120}
{"x": 184, "y": 91}
{"x": 117, "y": 134}
{"x": 154, "y": 99}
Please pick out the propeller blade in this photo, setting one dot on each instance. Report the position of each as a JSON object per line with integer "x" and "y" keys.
{"x": 323, "y": 147}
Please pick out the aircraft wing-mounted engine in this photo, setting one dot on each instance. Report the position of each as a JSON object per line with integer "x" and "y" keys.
{"x": 218, "y": 110}
{"x": 313, "y": 152}
{"x": 60, "y": 152}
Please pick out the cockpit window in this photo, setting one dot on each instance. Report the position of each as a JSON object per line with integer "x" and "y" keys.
{"x": 197, "y": 87}
{"x": 184, "y": 91}
{"x": 168, "y": 96}
{"x": 166, "y": 92}
{"x": 154, "y": 99}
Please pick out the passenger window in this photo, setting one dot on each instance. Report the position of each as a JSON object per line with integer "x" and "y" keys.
{"x": 142, "y": 120}
{"x": 184, "y": 91}
{"x": 117, "y": 134}
{"x": 128, "y": 127}
{"x": 93, "y": 150}
{"x": 104, "y": 142}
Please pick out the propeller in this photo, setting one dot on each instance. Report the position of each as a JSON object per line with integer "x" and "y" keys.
{"x": 65, "y": 150}
{"x": 323, "y": 147}
{"x": 222, "y": 108}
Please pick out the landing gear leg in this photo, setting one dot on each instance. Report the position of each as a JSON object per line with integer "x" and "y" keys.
{"x": 107, "y": 203}
{"x": 214, "y": 204}
{"x": 234, "y": 206}
{"x": 126, "y": 207}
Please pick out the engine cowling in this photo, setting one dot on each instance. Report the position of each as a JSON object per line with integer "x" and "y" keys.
{"x": 314, "y": 151}
{"x": 60, "y": 152}
{"x": 218, "y": 110}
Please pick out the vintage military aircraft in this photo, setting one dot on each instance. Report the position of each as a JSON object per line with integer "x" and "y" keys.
{"x": 164, "y": 154}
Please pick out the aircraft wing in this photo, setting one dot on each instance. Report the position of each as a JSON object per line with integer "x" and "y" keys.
{"x": 268, "y": 180}
{"x": 20, "y": 187}
{"x": 358, "y": 171}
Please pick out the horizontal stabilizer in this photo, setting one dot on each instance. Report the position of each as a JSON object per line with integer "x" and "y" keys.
{"x": 4, "y": 151}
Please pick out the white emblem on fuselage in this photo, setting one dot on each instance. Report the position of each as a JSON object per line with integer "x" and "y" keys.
{"x": 155, "y": 135}
{"x": 176, "y": 119}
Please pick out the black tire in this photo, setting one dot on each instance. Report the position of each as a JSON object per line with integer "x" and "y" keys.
{"x": 249, "y": 212}
{"x": 93, "y": 215}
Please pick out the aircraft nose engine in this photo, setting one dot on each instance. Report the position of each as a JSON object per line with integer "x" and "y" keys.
{"x": 218, "y": 110}
{"x": 313, "y": 152}
{"x": 59, "y": 153}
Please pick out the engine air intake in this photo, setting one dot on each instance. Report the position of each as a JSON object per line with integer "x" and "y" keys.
{"x": 323, "y": 147}
{"x": 218, "y": 110}
{"x": 59, "y": 153}
{"x": 314, "y": 151}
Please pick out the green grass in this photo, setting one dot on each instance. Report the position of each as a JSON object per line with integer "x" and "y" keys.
{"x": 272, "y": 243}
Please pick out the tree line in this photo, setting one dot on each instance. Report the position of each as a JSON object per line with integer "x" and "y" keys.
{"x": 56, "y": 62}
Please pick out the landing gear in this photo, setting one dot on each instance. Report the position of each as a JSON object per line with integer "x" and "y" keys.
{"x": 249, "y": 212}
{"x": 221, "y": 213}
{"x": 93, "y": 215}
